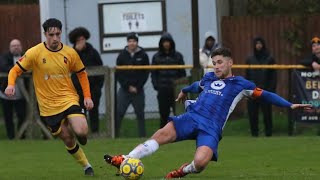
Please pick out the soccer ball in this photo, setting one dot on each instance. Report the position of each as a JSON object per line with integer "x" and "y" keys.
{"x": 131, "y": 169}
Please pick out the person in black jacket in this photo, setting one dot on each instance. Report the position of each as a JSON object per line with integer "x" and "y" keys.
{"x": 163, "y": 80}
{"x": 131, "y": 83}
{"x": 265, "y": 79}
{"x": 90, "y": 57}
{"x": 7, "y": 61}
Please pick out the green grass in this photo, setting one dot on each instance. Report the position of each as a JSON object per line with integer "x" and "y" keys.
{"x": 240, "y": 156}
{"x": 293, "y": 158}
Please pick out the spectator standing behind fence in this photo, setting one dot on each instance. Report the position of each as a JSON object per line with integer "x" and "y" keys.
{"x": 163, "y": 80}
{"x": 18, "y": 103}
{"x": 265, "y": 79}
{"x": 313, "y": 60}
{"x": 131, "y": 83}
{"x": 205, "y": 52}
{"x": 90, "y": 57}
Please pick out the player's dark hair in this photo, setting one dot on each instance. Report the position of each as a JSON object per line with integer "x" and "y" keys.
{"x": 225, "y": 52}
{"x": 78, "y": 32}
{"x": 51, "y": 23}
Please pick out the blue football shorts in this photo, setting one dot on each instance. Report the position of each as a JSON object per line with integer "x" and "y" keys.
{"x": 188, "y": 127}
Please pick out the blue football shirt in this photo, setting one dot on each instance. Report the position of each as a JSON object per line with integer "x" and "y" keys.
{"x": 219, "y": 97}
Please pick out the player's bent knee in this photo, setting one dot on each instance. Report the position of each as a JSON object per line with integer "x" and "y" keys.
{"x": 79, "y": 125}
{"x": 82, "y": 133}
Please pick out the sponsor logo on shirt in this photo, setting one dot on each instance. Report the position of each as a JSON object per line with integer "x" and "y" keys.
{"x": 217, "y": 85}
{"x": 53, "y": 76}
{"x": 215, "y": 92}
{"x": 46, "y": 76}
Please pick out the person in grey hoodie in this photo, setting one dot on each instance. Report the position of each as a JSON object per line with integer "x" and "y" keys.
{"x": 210, "y": 44}
{"x": 163, "y": 80}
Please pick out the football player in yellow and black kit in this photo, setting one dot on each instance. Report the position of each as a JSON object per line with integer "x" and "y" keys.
{"x": 51, "y": 63}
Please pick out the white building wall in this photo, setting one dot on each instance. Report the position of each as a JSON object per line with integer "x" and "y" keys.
{"x": 208, "y": 19}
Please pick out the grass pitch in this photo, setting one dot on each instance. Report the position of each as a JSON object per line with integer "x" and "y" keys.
{"x": 239, "y": 158}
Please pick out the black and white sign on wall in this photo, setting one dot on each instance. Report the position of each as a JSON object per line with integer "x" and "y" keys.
{"x": 117, "y": 19}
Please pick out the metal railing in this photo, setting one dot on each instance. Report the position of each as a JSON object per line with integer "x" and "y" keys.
{"x": 33, "y": 118}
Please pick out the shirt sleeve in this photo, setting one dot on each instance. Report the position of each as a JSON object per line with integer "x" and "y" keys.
{"x": 13, "y": 74}
{"x": 275, "y": 99}
{"x": 193, "y": 88}
{"x": 250, "y": 90}
{"x": 26, "y": 61}
{"x": 24, "y": 64}
{"x": 254, "y": 92}
{"x": 84, "y": 82}
{"x": 204, "y": 79}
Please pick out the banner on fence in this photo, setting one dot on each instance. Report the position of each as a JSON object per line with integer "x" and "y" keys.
{"x": 306, "y": 90}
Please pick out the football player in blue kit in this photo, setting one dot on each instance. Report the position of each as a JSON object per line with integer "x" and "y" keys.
{"x": 205, "y": 118}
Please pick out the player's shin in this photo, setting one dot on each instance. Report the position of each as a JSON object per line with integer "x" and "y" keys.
{"x": 145, "y": 149}
{"x": 79, "y": 155}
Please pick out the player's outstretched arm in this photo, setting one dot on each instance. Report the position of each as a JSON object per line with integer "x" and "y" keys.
{"x": 304, "y": 106}
{"x": 13, "y": 74}
{"x": 277, "y": 100}
{"x": 193, "y": 88}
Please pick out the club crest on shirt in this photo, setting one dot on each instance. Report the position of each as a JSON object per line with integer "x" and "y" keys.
{"x": 22, "y": 58}
{"x": 217, "y": 85}
{"x": 65, "y": 60}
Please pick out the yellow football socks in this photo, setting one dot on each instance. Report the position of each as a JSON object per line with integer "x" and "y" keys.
{"x": 78, "y": 154}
